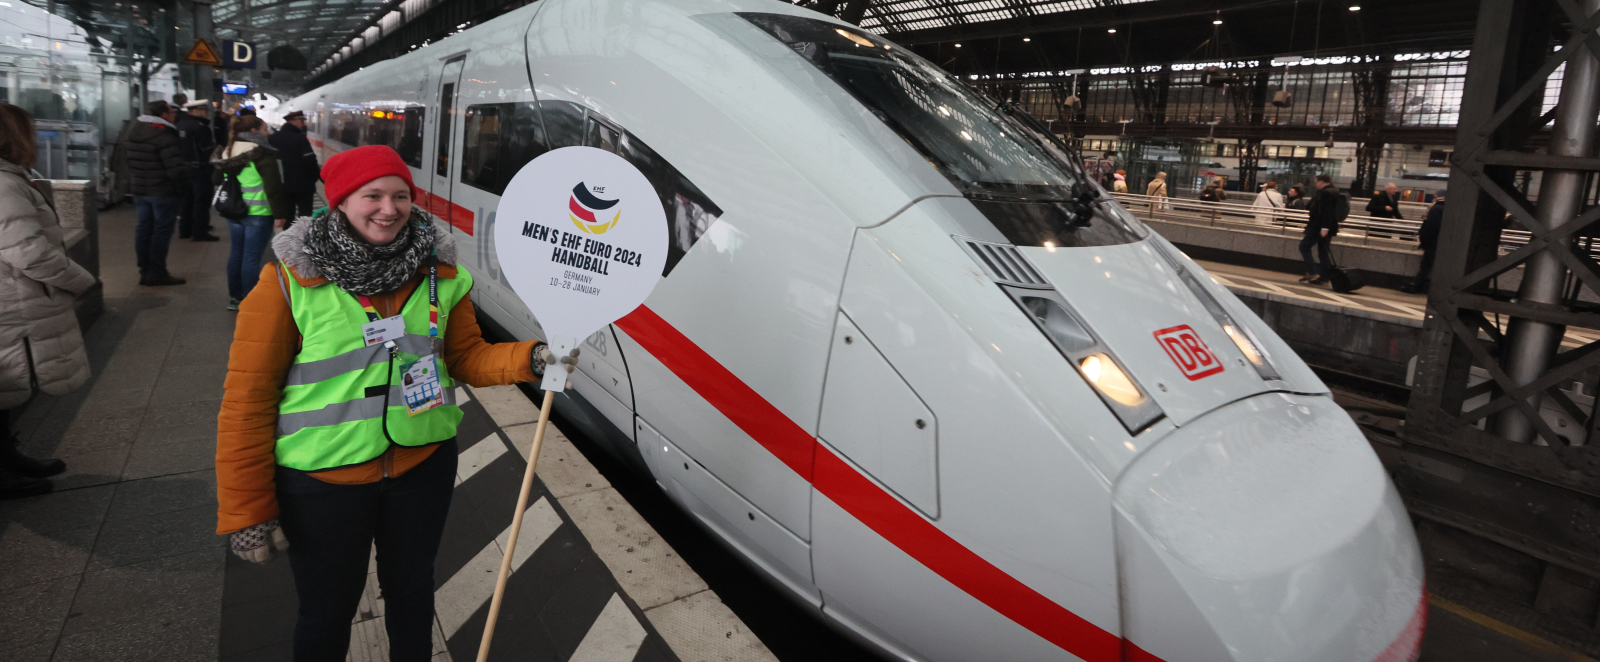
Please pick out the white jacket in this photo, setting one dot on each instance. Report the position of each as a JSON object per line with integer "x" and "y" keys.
{"x": 39, "y": 336}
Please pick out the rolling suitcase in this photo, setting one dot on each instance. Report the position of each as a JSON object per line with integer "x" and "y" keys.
{"x": 1344, "y": 281}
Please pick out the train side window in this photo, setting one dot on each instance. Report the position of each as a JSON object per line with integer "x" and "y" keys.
{"x": 410, "y": 147}
{"x": 602, "y": 136}
{"x": 383, "y": 128}
{"x": 564, "y": 122}
{"x": 447, "y": 98}
{"x": 351, "y": 134}
{"x": 500, "y": 139}
{"x": 690, "y": 212}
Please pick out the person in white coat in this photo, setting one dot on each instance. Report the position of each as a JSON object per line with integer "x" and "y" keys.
{"x": 40, "y": 343}
{"x": 1271, "y": 198}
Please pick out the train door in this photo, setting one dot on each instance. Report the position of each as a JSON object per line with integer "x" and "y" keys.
{"x": 445, "y": 143}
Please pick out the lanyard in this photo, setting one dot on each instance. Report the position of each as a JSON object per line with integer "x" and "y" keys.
{"x": 433, "y": 307}
{"x": 433, "y": 300}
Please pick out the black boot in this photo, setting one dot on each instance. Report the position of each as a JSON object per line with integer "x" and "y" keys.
{"x": 14, "y": 461}
{"x": 14, "y": 485}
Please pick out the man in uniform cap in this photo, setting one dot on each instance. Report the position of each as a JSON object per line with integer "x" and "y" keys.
{"x": 300, "y": 168}
{"x": 197, "y": 141}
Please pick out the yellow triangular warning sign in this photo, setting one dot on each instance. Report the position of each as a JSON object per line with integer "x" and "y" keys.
{"x": 202, "y": 53}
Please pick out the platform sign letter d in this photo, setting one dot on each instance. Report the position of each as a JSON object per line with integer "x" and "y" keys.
{"x": 239, "y": 54}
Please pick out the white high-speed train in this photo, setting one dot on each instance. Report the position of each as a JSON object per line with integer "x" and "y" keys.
{"x": 903, "y": 360}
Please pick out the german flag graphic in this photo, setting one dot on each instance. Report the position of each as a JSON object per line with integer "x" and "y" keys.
{"x": 583, "y": 207}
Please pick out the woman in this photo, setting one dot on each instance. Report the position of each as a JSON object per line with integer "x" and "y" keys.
{"x": 39, "y": 338}
{"x": 338, "y": 483}
{"x": 1157, "y": 188}
{"x": 1272, "y": 200}
{"x": 1121, "y": 183}
{"x": 1216, "y": 191}
{"x": 249, "y": 159}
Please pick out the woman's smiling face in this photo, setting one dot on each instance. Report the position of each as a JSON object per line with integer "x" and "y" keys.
{"x": 378, "y": 209}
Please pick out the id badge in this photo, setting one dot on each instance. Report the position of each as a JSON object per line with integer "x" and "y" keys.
{"x": 419, "y": 382}
{"x": 384, "y": 330}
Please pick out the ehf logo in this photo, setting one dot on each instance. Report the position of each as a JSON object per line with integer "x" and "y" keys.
{"x": 586, "y": 209}
{"x": 1189, "y": 352}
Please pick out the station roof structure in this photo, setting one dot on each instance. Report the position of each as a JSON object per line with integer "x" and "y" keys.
{"x": 993, "y": 35}
{"x": 315, "y": 27}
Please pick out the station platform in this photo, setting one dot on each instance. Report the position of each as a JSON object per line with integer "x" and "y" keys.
{"x": 121, "y": 561}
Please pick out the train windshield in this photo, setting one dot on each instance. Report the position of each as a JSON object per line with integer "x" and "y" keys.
{"x": 972, "y": 141}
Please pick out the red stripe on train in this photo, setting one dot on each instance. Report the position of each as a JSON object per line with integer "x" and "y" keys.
{"x": 897, "y": 523}
{"x": 862, "y": 498}
{"x": 443, "y": 208}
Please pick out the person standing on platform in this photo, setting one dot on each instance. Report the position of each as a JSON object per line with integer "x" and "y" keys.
{"x": 1120, "y": 181}
{"x": 194, "y": 219}
{"x": 1328, "y": 208}
{"x": 250, "y": 160}
{"x": 1216, "y": 191}
{"x": 179, "y": 100}
{"x": 1428, "y": 241}
{"x": 40, "y": 343}
{"x": 155, "y": 159}
{"x": 328, "y": 488}
{"x": 1385, "y": 204}
{"x": 1297, "y": 198}
{"x": 300, "y": 169}
{"x": 1157, "y": 188}
{"x": 1269, "y": 197}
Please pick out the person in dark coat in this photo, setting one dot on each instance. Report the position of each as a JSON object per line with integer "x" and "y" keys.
{"x": 1385, "y": 204}
{"x": 1297, "y": 198}
{"x": 1328, "y": 207}
{"x": 195, "y": 136}
{"x": 1428, "y": 240}
{"x": 156, "y": 164}
{"x": 300, "y": 168}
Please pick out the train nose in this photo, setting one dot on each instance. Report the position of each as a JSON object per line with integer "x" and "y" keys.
{"x": 1267, "y": 530}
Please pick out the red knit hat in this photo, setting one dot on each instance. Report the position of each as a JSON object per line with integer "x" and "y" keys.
{"x": 351, "y": 169}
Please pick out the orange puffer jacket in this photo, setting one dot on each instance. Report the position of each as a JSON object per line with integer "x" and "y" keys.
{"x": 265, "y": 341}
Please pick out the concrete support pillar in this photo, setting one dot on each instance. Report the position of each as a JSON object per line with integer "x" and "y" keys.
{"x": 1531, "y": 345}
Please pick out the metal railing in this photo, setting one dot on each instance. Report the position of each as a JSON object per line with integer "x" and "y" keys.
{"x": 1363, "y": 230}
{"x": 1244, "y": 216}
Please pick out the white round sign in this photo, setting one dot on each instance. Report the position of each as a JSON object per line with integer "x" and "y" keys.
{"x": 582, "y": 238}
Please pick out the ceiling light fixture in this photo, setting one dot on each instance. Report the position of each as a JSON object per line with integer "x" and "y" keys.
{"x": 1355, "y": 7}
{"x": 1027, "y": 39}
{"x": 958, "y": 45}
{"x": 1111, "y": 31}
{"x": 1217, "y": 22}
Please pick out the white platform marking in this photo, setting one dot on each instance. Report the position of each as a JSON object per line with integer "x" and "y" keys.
{"x": 473, "y": 584}
{"x": 615, "y": 635}
{"x": 506, "y": 405}
{"x": 478, "y": 456}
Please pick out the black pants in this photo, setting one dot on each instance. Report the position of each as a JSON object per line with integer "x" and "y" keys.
{"x": 303, "y": 203}
{"x": 1323, "y": 246}
{"x": 1425, "y": 270}
{"x": 331, "y": 530}
{"x": 194, "y": 216}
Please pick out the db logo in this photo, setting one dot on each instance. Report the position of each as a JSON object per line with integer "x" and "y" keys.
{"x": 1189, "y": 352}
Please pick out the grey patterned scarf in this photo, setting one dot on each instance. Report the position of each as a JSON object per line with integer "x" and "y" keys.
{"x": 359, "y": 267}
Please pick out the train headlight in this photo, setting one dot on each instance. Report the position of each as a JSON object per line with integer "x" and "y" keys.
{"x": 1089, "y": 354}
{"x": 1240, "y": 335}
{"x": 1249, "y": 348}
{"x": 1107, "y": 376}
